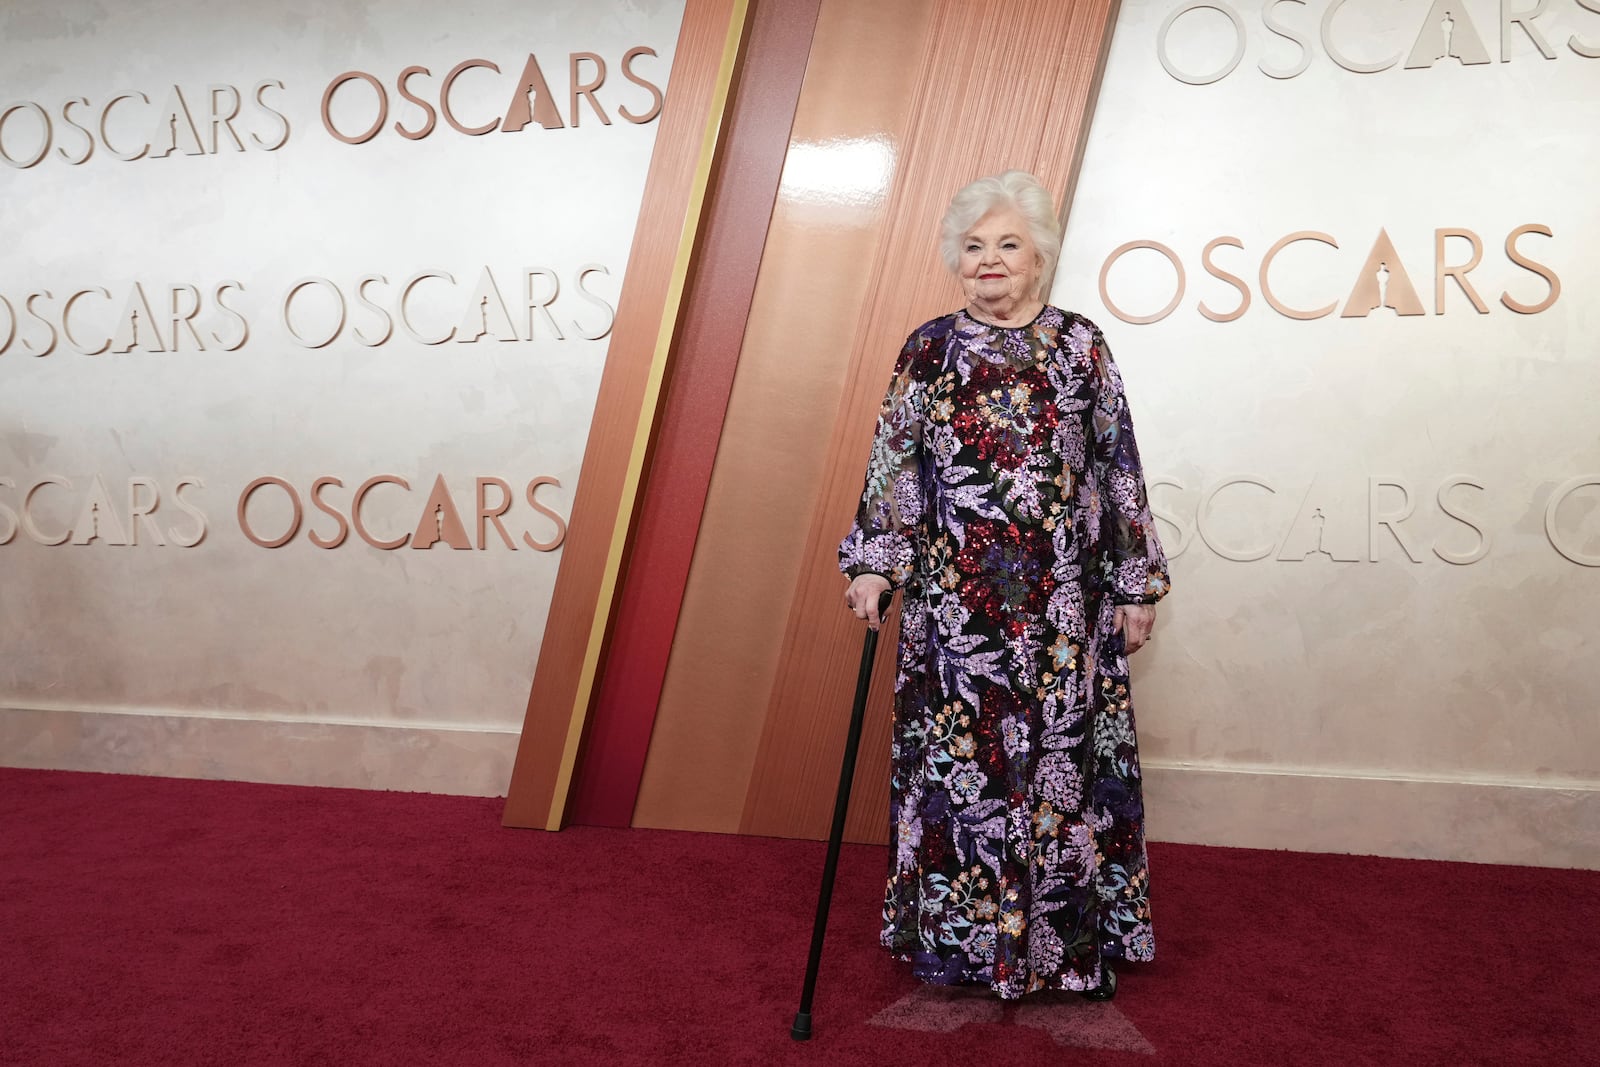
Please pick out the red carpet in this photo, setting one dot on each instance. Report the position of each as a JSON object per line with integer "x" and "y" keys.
{"x": 157, "y": 921}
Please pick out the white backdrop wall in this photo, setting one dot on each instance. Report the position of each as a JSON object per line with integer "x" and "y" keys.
{"x": 262, "y": 291}
{"x": 1384, "y": 520}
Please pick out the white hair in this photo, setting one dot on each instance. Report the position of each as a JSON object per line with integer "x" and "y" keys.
{"x": 1015, "y": 189}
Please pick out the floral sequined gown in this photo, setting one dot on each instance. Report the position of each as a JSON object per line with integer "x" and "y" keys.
{"x": 1004, "y": 498}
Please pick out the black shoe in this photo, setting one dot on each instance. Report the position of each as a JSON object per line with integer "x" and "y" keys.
{"x": 1107, "y": 987}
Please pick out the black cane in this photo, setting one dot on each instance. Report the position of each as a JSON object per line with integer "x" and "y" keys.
{"x": 801, "y": 1030}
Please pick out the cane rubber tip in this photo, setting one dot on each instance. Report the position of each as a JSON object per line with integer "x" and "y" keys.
{"x": 801, "y": 1030}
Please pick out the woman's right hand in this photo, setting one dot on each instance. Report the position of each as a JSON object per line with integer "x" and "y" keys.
{"x": 862, "y": 597}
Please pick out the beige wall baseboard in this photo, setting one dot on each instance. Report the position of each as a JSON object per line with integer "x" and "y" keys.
{"x": 469, "y": 760}
{"x": 1523, "y": 821}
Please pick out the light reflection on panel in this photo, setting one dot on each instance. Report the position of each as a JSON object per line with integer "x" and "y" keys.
{"x": 850, "y": 174}
{"x": 794, "y": 361}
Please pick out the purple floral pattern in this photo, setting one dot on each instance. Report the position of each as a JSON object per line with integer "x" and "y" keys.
{"x": 1005, "y": 499}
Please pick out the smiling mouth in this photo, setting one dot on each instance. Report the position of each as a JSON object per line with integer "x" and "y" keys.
{"x": 991, "y": 275}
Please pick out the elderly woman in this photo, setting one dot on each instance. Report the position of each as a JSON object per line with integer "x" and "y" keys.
{"x": 1004, "y": 498}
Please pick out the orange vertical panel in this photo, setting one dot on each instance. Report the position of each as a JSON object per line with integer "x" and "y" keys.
{"x": 856, "y": 99}
{"x": 756, "y": 696}
{"x": 1001, "y": 85}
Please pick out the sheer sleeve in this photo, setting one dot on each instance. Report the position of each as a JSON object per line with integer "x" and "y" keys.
{"x": 1134, "y": 565}
{"x": 882, "y": 539}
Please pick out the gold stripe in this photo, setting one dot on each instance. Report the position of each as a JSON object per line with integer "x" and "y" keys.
{"x": 605, "y": 601}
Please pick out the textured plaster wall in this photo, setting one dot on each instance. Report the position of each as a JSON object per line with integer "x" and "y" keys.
{"x": 354, "y": 664}
{"x": 1320, "y": 679}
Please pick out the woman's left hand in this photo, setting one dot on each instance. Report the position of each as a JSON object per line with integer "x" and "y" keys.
{"x": 1134, "y": 623}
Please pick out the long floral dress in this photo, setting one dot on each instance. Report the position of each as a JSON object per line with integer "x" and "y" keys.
{"x": 1004, "y": 498}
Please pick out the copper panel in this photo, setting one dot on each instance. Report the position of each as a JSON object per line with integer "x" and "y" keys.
{"x": 753, "y": 712}
{"x": 1000, "y": 85}
{"x": 786, "y": 393}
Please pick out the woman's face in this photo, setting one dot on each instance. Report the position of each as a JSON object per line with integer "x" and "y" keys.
{"x": 999, "y": 263}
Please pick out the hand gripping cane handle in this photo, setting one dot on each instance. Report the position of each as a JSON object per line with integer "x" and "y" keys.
{"x": 801, "y": 1030}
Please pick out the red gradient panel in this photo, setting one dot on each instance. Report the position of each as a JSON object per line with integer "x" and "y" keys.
{"x": 722, "y": 285}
